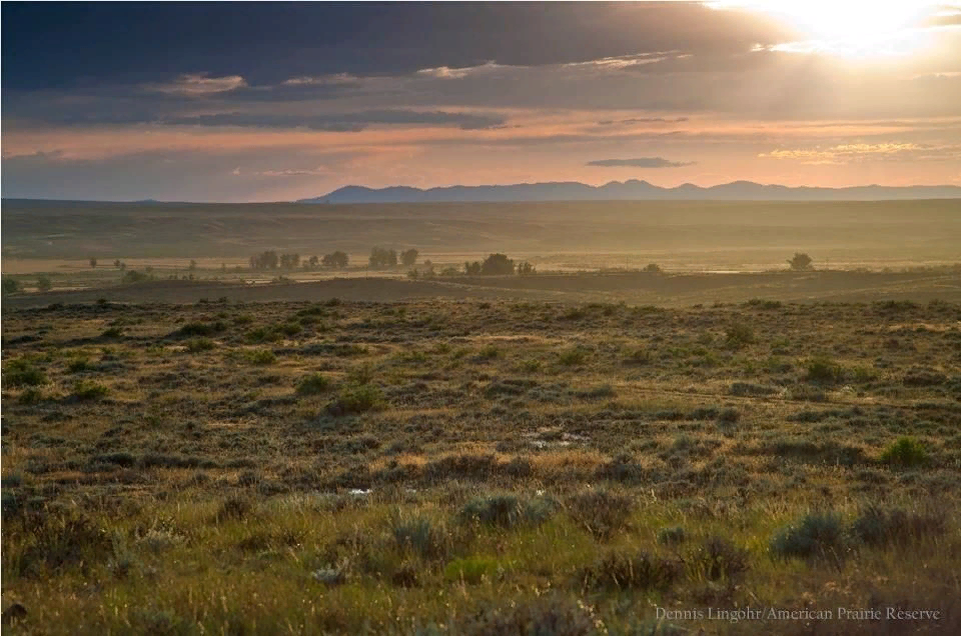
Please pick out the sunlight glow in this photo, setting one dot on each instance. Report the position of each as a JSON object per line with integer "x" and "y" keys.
{"x": 847, "y": 28}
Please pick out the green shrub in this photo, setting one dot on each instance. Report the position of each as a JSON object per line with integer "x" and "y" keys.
{"x": 573, "y": 357}
{"x": 601, "y": 512}
{"x": 905, "y": 452}
{"x": 79, "y": 365}
{"x": 356, "y": 399}
{"x": 313, "y": 384}
{"x": 202, "y": 328}
{"x": 823, "y": 370}
{"x": 507, "y": 511}
{"x": 739, "y": 335}
{"x": 112, "y": 332}
{"x": 31, "y": 395}
{"x": 489, "y": 352}
{"x": 420, "y": 536}
{"x": 718, "y": 558}
{"x": 617, "y": 570}
{"x": 89, "y": 390}
{"x": 21, "y": 372}
{"x": 261, "y": 356}
{"x": 876, "y": 526}
{"x": 196, "y": 345}
{"x": 817, "y": 535}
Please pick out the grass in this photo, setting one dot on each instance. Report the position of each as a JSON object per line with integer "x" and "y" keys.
{"x": 398, "y": 474}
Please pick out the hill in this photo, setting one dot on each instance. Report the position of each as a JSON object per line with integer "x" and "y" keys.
{"x": 631, "y": 190}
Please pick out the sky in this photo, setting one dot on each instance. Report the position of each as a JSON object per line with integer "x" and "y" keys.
{"x": 280, "y": 101}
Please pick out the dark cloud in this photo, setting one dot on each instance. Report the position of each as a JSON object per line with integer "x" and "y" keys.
{"x": 640, "y": 162}
{"x": 348, "y": 122}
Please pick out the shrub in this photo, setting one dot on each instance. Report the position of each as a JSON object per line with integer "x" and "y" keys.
{"x": 21, "y": 372}
{"x": 800, "y": 262}
{"x": 601, "y": 512}
{"x": 356, "y": 399}
{"x": 261, "y": 356}
{"x": 905, "y": 452}
{"x": 718, "y": 558}
{"x": 202, "y": 328}
{"x": 79, "y": 365}
{"x": 196, "y": 345}
{"x": 44, "y": 283}
{"x": 421, "y": 537}
{"x": 89, "y": 390}
{"x": 817, "y": 535}
{"x": 313, "y": 384}
{"x": 31, "y": 395}
{"x": 621, "y": 571}
{"x": 573, "y": 357}
{"x": 507, "y": 511}
{"x": 497, "y": 265}
{"x": 653, "y": 268}
{"x": 876, "y": 526}
{"x": 739, "y": 335}
{"x": 823, "y": 370}
{"x": 233, "y": 508}
{"x": 112, "y": 332}
{"x": 11, "y": 285}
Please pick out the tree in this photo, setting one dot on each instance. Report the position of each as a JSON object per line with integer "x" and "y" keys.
{"x": 289, "y": 261}
{"x": 93, "y": 262}
{"x": 409, "y": 257}
{"x": 524, "y": 268}
{"x": 472, "y": 269}
{"x": 117, "y": 263}
{"x": 381, "y": 258}
{"x": 653, "y": 268}
{"x": 497, "y": 265}
{"x": 11, "y": 285}
{"x": 800, "y": 262}
{"x": 313, "y": 262}
{"x": 44, "y": 283}
{"x": 265, "y": 260}
{"x": 193, "y": 266}
{"x": 337, "y": 259}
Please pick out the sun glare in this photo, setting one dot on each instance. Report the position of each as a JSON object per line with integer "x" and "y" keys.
{"x": 848, "y": 28}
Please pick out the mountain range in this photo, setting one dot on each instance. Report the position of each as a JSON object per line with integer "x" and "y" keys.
{"x": 631, "y": 190}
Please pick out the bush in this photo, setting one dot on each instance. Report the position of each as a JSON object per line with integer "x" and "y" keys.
{"x": 507, "y": 511}
{"x": 601, "y": 512}
{"x": 573, "y": 357}
{"x": 672, "y": 536}
{"x": 44, "y": 283}
{"x": 739, "y": 335}
{"x": 356, "y": 399}
{"x": 261, "y": 356}
{"x": 817, "y": 535}
{"x": 89, "y": 391}
{"x": 800, "y": 262}
{"x": 202, "y": 328}
{"x": 621, "y": 571}
{"x": 497, "y": 265}
{"x": 878, "y": 527}
{"x": 313, "y": 384}
{"x": 718, "y": 558}
{"x": 421, "y": 537}
{"x": 823, "y": 370}
{"x": 11, "y": 285}
{"x": 196, "y": 345}
{"x": 409, "y": 257}
{"x": 905, "y": 452}
{"x": 29, "y": 396}
{"x": 20, "y": 372}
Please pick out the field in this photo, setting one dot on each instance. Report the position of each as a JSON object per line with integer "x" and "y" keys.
{"x": 498, "y": 466}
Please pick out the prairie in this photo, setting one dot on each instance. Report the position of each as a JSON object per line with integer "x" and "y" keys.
{"x": 479, "y": 466}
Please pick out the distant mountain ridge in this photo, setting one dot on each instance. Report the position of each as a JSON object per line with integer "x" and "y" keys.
{"x": 631, "y": 190}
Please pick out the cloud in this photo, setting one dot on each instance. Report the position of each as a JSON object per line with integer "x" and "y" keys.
{"x": 640, "y": 162}
{"x": 843, "y": 154}
{"x": 342, "y": 122}
{"x": 641, "y": 120}
{"x": 198, "y": 85}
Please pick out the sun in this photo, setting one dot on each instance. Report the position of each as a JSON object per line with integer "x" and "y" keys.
{"x": 848, "y": 28}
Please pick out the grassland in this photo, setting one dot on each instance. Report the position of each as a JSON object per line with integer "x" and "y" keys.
{"x": 496, "y": 466}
